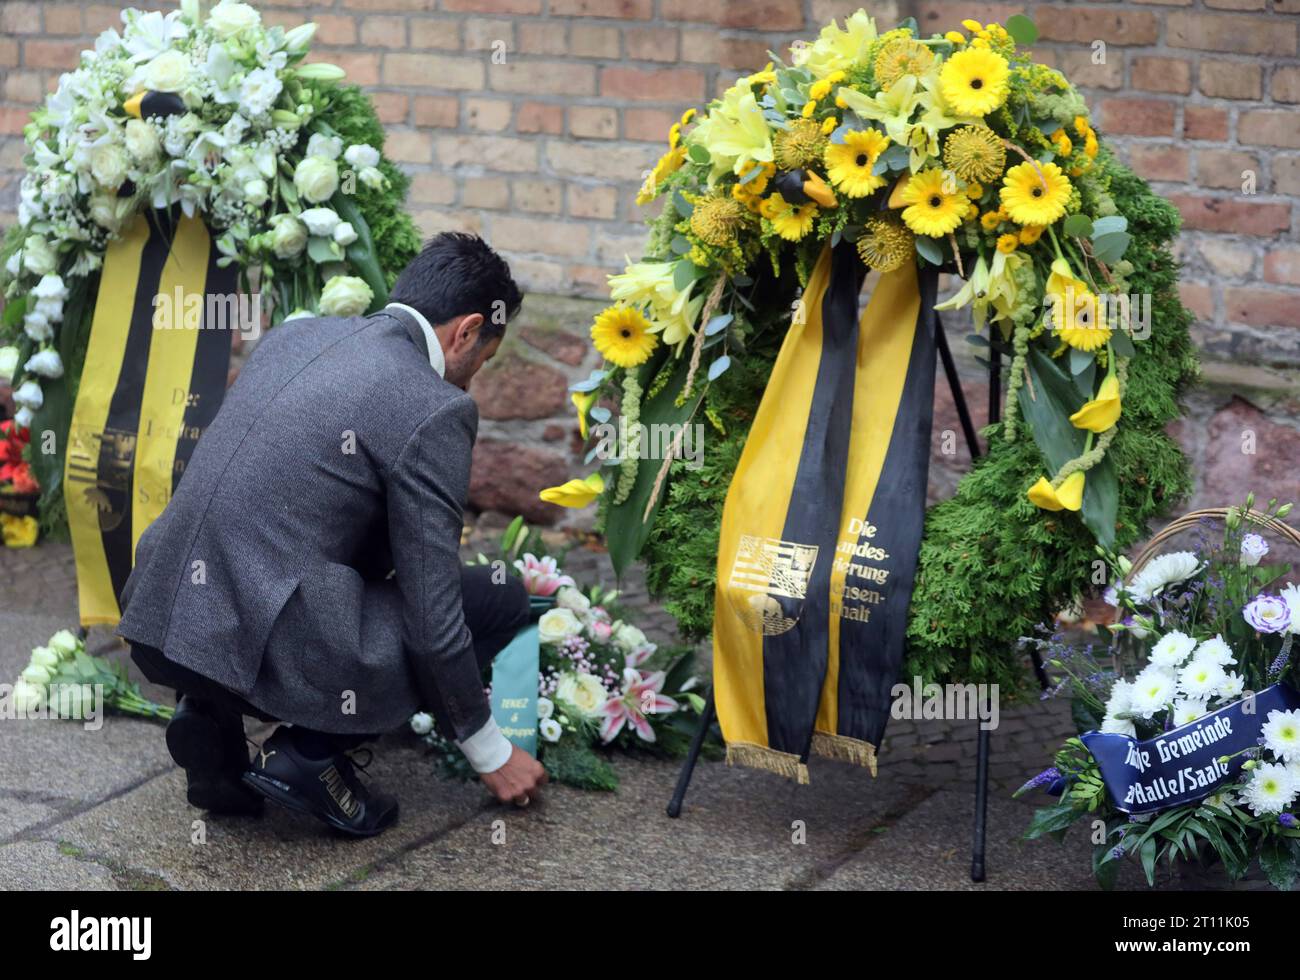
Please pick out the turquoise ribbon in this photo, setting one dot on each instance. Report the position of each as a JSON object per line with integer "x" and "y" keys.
{"x": 514, "y": 689}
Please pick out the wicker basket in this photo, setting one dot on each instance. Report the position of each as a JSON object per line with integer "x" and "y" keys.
{"x": 1192, "y": 518}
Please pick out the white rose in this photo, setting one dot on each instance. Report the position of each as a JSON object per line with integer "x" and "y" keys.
{"x": 108, "y": 165}
{"x": 64, "y": 643}
{"x": 288, "y": 236}
{"x": 109, "y": 211}
{"x": 256, "y": 192}
{"x": 344, "y": 233}
{"x": 557, "y": 625}
{"x": 167, "y": 73}
{"x": 44, "y": 657}
{"x": 228, "y": 18}
{"x": 582, "y": 692}
{"x": 320, "y": 221}
{"x": 545, "y": 707}
{"x": 421, "y": 723}
{"x": 328, "y": 147}
{"x": 316, "y": 178}
{"x": 373, "y": 178}
{"x": 46, "y": 363}
{"x": 550, "y": 729}
{"x": 36, "y": 674}
{"x": 345, "y": 296}
{"x": 28, "y": 395}
{"x": 38, "y": 258}
{"x": 362, "y": 155}
{"x": 8, "y": 363}
{"x": 570, "y": 598}
{"x": 299, "y": 315}
{"x": 628, "y": 638}
{"x": 142, "y": 141}
{"x": 26, "y": 697}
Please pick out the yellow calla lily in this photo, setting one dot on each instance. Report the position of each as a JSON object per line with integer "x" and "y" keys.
{"x": 819, "y": 190}
{"x": 582, "y": 401}
{"x": 575, "y": 493}
{"x": 896, "y": 195}
{"x": 1103, "y": 411}
{"x": 1068, "y": 496}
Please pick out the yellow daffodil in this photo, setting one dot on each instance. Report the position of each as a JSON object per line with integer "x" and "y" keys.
{"x": 850, "y": 164}
{"x": 1068, "y": 496}
{"x": 836, "y": 49}
{"x": 975, "y": 81}
{"x": 575, "y": 493}
{"x": 1035, "y": 195}
{"x": 582, "y": 401}
{"x": 1103, "y": 411}
{"x": 934, "y": 208}
{"x": 734, "y": 132}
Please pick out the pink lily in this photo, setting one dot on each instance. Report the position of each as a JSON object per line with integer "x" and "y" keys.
{"x": 640, "y": 655}
{"x": 541, "y": 575}
{"x": 640, "y": 697}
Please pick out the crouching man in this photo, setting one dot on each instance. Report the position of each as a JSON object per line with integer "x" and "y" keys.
{"x": 306, "y": 570}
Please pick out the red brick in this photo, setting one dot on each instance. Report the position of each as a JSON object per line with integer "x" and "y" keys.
{"x": 99, "y": 17}
{"x": 1286, "y": 84}
{"x": 1282, "y": 265}
{"x": 1230, "y": 33}
{"x": 437, "y": 110}
{"x": 383, "y": 32}
{"x": 539, "y": 117}
{"x": 401, "y": 68}
{"x": 1083, "y": 25}
{"x": 627, "y": 9}
{"x": 1138, "y": 117}
{"x": 653, "y": 84}
{"x": 334, "y": 29}
{"x": 651, "y": 43}
{"x": 437, "y": 35}
{"x": 362, "y": 69}
{"x": 493, "y": 6}
{"x": 650, "y": 125}
{"x": 12, "y": 120}
{"x": 593, "y": 122}
{"x": 1286, "y": 174}
{"x": 1205, "y": 123}
{"x": 543, "y": 37}
{"x": 1160, "y": 162}
{"x": 543, "y": 77}
{"x": 594, "y": 41}
{"x": 1261, "y": 307}
{"x": 1231, "y": 214}
{"x": 20, "y": 18}
{"x": 1223, "y": 168}
{"x": 60, "y": 19}
{"x": 1236, "y": 4}
{"x": 391, "y": 107}
{"x": 63, "y": 55}
{"x": 1231, "y": 79}
{"x": 1160, "y": 75}
{"x": 710, "y": 47}
{"x": 765, "y": 15}
{"x": 1269, "y": 127}
{"x": 1197, "y": 297}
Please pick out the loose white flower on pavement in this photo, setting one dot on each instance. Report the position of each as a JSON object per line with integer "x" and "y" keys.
{"x": 550, "y": 729}
{"x": 1270, "y": 789}
{"x": 421, "y": 723}
{"x": 1153, "y": 691}
{"x": 26, "y": 697}
{"x": 1188, "y": 710}
{"x": 1172, "y": 649}
{"x": 1215, "y": 650}
{"x": 1282, "y": 735}
{"x": 1200, "y": 679}
{"x": 1253, "y": 548}
{"x": 64, "y": 643}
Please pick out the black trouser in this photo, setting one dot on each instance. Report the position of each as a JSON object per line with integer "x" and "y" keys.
{"x": 494, "y": 613}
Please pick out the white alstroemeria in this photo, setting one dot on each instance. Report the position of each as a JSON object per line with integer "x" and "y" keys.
{"x": 320, "y": 221}
{"x": 550, "y": 729}
{"x": 1172, "y": 649}
{"x": 1153, "y": 691}
{"x": 362, "y": 155}
{"x": 1201, "y": 679}
{"x": 29, "y": 395}
{"x": 1270, "y": 789}
{"x": 45, "y": 363}
{"x": 421, "y": 723}
{"x": 344, "y": 233}
{"x": 1187, "y": 710}
{"x": 329, "y": 147}
{"x": 1161, "y": 572}
{"x": 148, "y": 35}
{"x": 1281, "y": 734}
{"x": 259, "y": 91}
{"x": 1253, "y": 549}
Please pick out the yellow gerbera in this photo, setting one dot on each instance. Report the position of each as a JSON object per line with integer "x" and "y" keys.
{"x": 975, "y": 81}
{"x": 622, "y": 335}
{"x": 849, "y": 164}
{"x": 575, "y": 493}
{"x": 668, "y": 164}
{"x": 1075, "y": 310}
{"x": 1033, "y": 200}
{"x": 790, "y": 222}
{"x": 933, "y": 211}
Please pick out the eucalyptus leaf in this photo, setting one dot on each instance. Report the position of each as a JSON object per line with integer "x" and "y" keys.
{"x": 1079, "y": 225}
{"x": 1022, "y": 29}
{"x": 683, "y": 274}
{"x": 681, "y": 244}
{"x": 698, "y": 153}
{"x": 599, "y": 413}
{"x": 683, "y": 206}
{"x": 929, "y": 250}
{"x": 1110, "y": 248}
{"x": 1110, "y": 223}
{"x": 719, "y": 366}
{"x": 718, "y": 323}
{"x": 1122, "y": 344}
{"x": 591, "y": 383}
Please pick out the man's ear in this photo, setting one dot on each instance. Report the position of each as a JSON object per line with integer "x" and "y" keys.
{"x": 466, "y": 333}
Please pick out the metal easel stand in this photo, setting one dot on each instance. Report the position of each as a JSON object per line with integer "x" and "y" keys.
{"x": 982, "y": 755}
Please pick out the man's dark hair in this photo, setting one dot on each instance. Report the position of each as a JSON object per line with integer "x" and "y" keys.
{"x": 457, "y": 274}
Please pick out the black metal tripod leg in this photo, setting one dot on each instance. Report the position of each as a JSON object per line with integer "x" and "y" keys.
{"x": 981, "y": 804}
{"x": 954, "y": 383}
{"x": 688, "y": 766}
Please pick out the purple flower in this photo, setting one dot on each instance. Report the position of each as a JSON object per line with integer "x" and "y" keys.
{"x": 1267, "y": 614}
{"x": 1045, "y": 778}
{"x": 1288, "y": 820}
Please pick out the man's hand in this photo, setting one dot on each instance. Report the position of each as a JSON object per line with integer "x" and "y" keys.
{"x": 519, "y": 781}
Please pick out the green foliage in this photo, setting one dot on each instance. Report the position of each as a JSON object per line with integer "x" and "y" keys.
{"x": 992, "y": 565}
{"x": 579, "y": 766}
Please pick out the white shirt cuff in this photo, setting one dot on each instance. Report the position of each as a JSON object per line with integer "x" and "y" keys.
{"x": 487, "y": 749}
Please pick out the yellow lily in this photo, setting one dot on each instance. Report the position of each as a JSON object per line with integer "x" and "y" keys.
{"x": 1103, "y": 411}
{"x": 1068, "y": 496}
{"x": 575, "y": 493}
{"x": 837, "y": 50}
{"x": 734, "y": 132}
{"x": 893, "y": 108}
{"x": 582, "y": 401}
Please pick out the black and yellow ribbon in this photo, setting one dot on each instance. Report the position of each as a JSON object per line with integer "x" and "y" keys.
{"x": 822, "y": 523}
{"x": 152, "y": 381}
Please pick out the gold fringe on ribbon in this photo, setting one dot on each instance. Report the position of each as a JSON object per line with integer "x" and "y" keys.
{"x": 845, "y": 749}
{"x": 761, "y": 757}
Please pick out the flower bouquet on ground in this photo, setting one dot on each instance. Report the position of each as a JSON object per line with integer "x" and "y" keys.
{"x": 63, "y": 681}
{"x": 601, "y": 684}
{"x": 18, "y": 487}
{"x": 1189, "y": 751}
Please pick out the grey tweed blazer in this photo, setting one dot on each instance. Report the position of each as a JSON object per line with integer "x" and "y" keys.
{"x": 337, "y": 455}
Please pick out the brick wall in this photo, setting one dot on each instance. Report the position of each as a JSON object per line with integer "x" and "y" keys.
{"x": 531, "y": 121}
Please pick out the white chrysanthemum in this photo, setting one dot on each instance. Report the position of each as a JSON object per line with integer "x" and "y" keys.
{"x": 1172, "y": 649}
{"x": 1118, "y": 726}
{"x": 1161, "y": 572}
{"x": 1215, "y": 650}
{"x": 1200, "y": 679}
{"x": 1270, "y": 789}
{"x": 1188, "y": 710}
{"x": 1121, "y": 698}
{"x": 1153, "y": 691}
{"x": 1282, "y": 735}
{"x": 1232, "y": 686}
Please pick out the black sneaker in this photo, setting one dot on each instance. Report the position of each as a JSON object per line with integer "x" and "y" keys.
{"x": 328, "y": 788}
{"x": 208, "y": 743}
